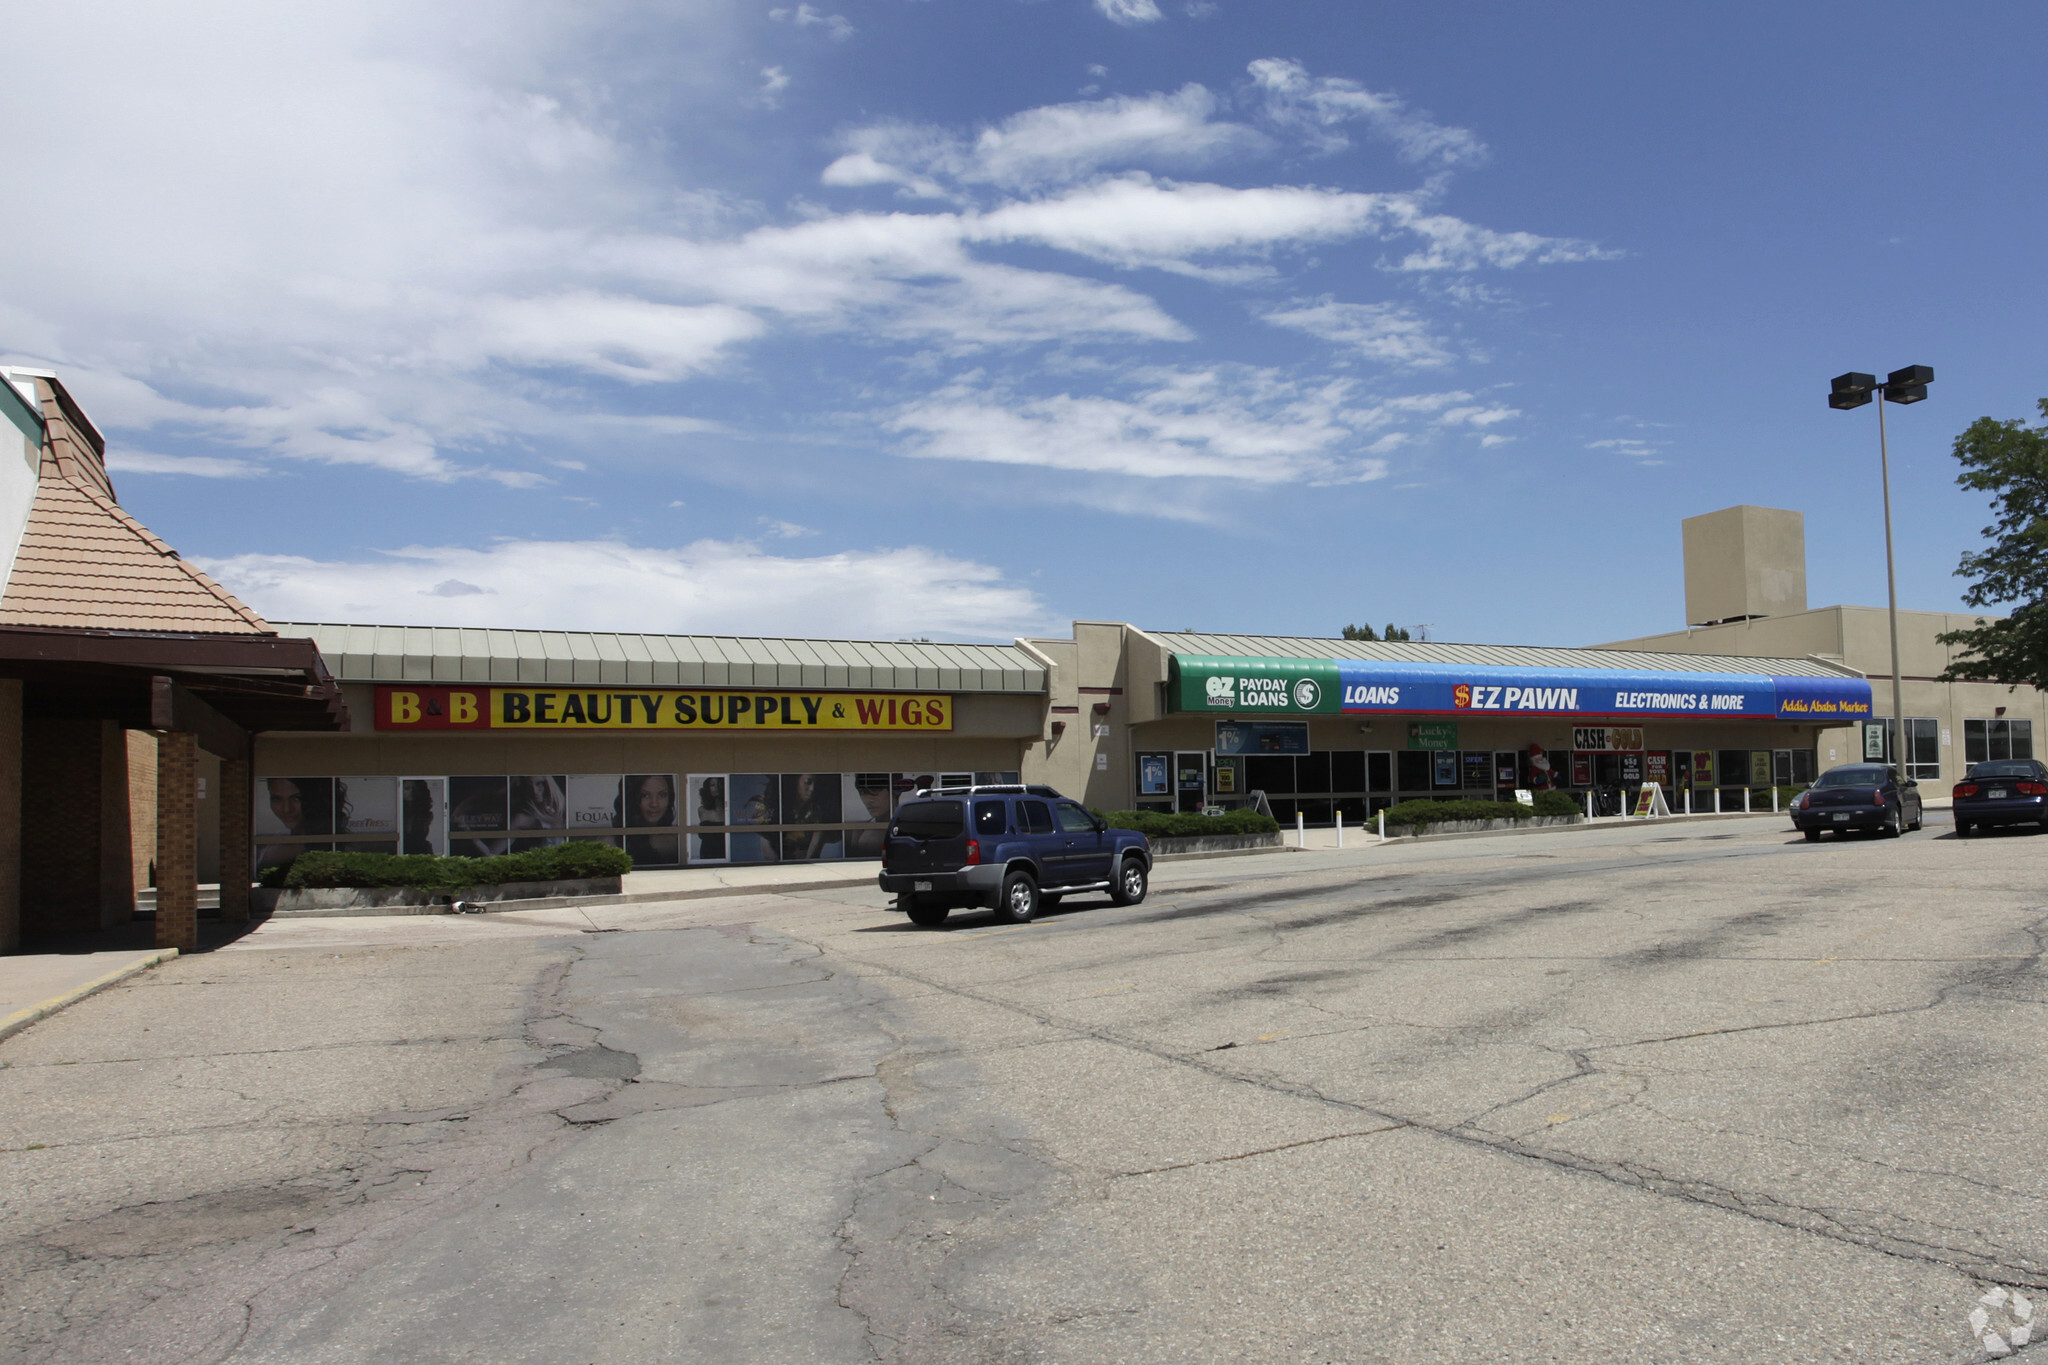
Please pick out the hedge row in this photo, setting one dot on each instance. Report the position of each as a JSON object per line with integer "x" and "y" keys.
{"x": 555, "y": 863}
{"x": 1424, "y": 813}
{"x": 1157, "y": 825}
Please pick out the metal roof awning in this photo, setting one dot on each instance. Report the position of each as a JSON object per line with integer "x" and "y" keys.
{"x": 450, "y": 654}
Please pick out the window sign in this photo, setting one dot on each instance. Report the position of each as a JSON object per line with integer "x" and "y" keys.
{"x": 1152, "y": 774}
{"x": 1582, "y": 770}
{"x": 1432, "y": 734}
{"x": 1608, "y": 738}
{"x": 1225, "y": 776}
{"x": 1702, "y": 768}
{"x": 1446, "y": 768}
{"x": 1261, "y": 736}
{"x": 1657, "y": 768}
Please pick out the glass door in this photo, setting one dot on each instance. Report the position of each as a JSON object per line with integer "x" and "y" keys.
{"x": 1190, "y": 780}
{"x": 423, "y": 815}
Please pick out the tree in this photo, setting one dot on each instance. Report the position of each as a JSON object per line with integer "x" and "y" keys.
{"x": 2008, "y": 460}
{"x": 1393, "y": 632}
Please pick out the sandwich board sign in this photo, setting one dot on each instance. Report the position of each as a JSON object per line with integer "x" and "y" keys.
{"x": 1650, "y": 802}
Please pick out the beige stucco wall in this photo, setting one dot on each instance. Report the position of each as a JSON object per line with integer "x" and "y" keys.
{"x": 1860, "y": 638}
{"x": 1744, "y": 561}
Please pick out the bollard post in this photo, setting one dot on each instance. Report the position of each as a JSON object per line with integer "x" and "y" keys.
{"x": 1688, "y": 800}
{"x": 1745, "y": 800}
{"x": 1300, "y": 831}
{"x": 1383, "y": 827}
{"x": 1589, "y": 805}
{"x": 1340, "y": 829}
{"x": 1774, "y": 799}
{"x": 1717, "y": 800}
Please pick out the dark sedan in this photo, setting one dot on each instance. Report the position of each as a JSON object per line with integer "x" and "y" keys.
{"x": 2009, "y": 792}
{"x": 1865, "y": 796}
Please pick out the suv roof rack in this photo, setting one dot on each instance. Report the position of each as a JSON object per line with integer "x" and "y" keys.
{"x": 993, "y": 789}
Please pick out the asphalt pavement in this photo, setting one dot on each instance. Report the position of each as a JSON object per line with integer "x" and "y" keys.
{"x": 1690, "y": 1092}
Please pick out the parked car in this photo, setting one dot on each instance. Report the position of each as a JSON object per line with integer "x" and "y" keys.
{"x": 1009, "y": 849}
{"x": 2011, "y": 791}
{"x": 1864, "y": 796}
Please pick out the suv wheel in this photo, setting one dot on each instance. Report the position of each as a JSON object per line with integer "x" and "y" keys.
{"x": 1017, "y": 903}
{"x": 1130, "y": 884}
{"x": 926, "y": 913}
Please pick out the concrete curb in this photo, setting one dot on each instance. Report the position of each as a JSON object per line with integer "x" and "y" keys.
{"x": 21, "y": 1019}
{"x": 700, "y": 893}
{"x": 1605, "y": 822}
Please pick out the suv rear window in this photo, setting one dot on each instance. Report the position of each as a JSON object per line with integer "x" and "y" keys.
{"x": 929, "y": 820}
{"x": 1035, "y": 818}
{"x": 990, "y": 818}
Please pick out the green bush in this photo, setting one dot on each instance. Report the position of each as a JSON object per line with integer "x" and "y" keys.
{"x": 1560, "y": 803}
{"x": 1423, "y": 813}
{"x": 1155, "y": 825}
{"x": 555, "y": 863}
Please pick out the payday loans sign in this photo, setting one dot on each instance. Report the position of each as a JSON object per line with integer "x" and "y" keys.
{"x": 561, "y": 708}
{"x": 1364, "y": 686}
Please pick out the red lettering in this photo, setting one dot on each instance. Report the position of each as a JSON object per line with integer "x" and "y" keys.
{"x": 892, "y": 710}
{"x": 913, "y": 714}
{"x": 868, "y": 709}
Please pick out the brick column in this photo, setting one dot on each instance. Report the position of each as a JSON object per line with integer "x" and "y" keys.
{"x": 177, "y": 841}
{"x": 235, "y": 857}
{"x": 10, "y": 815}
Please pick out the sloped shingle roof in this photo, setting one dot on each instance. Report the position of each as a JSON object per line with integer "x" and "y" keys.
{"x": 86, "y": 564}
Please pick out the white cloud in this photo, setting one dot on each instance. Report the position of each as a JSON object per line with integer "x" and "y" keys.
{"x": 786, "y": 530}
{"x": 774, "y": 80}
{"x": 1129, "y": 12}
{"x": 1054, "y": 144}
{"x": 1226, "y": 423}
{"x": 1316, "y": 106}
{"x": 1384, "y": 332}
{"x": 126, "y": 461}
{"x": 708, "y": 587}
{"x": 836, "y": 26}
{"x": 1642, "y": 452}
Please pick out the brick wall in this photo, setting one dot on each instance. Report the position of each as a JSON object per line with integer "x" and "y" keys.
{"x": 142, "y": 805}
{"x": 177, "y": 842}
{"x": 75, "y": 849}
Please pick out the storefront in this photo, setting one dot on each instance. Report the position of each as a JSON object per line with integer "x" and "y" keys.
{"x": 1301, "y": 732}
{"x": 1188, "y": 722}
{"x": 683, "y": 750}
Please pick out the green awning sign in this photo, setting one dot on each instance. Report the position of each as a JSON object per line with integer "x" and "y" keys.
{"x": 1286, "y": 687}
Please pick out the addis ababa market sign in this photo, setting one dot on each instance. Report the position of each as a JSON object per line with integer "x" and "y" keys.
{"x": 563, "y": 708}
{"x": 1272, "y": 686}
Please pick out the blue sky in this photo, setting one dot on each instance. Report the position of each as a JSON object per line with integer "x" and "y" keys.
{"x": 964, "y": 318}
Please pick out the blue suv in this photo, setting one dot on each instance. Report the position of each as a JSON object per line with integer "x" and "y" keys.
{"x": 1010, "y": 849}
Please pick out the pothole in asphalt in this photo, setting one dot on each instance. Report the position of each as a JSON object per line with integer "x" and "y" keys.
{"x": 596, "y": 1063}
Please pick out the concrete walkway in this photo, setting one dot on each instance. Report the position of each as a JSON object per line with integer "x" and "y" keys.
{"x": 36, "y": 985}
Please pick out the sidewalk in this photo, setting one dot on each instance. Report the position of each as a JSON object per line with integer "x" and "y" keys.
{"x": 36, "y": 985}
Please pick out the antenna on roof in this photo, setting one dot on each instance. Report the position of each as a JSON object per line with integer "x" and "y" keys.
{"x": 1422, "y": 631}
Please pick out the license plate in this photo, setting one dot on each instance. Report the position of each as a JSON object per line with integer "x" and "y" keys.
{"x": 1843, "y": 818}
{"x": 926, "y": 886}
{"x": 1997, "y": 795}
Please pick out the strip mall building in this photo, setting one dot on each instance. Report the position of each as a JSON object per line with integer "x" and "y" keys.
{"x": 153, "y": 729}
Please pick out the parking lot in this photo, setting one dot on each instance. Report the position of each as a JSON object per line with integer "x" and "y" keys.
{"x": 1670, "y": 1092}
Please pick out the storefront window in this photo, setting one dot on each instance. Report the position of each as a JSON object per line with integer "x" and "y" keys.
{"x": 1922, "y": 759}
{"x": 1985, "y": 741}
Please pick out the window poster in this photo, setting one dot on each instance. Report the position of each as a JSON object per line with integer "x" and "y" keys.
{"x": 1657, "y": 768}
{"x": 1582, "y": 770}
{"x": 866, "y": 797}
{"x": 707, "y": 807}
{"x": 1632, "y": 770}
{"x": 477, "y": 806}
{"x": 811, "y": 799}
{"x": 753, "y": 799}
{"x": 295, "y": 806}
{"x": 1225, "y": 776}
{"x": 423, "y": 815}
{"x": 1152, "y": 780}
{"x": 1702, "y": 768}
{"x": 1446, "y": 768}
{"x": 367, "y": 805}
{"x": 588, "y": 802}
{"x": 538, "y": 803}
{"x": 1759, "y": 767}
{"x": 648, "y": 802}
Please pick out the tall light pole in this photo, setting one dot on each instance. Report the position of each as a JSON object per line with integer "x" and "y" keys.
{"x": 1853, "y": 391}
